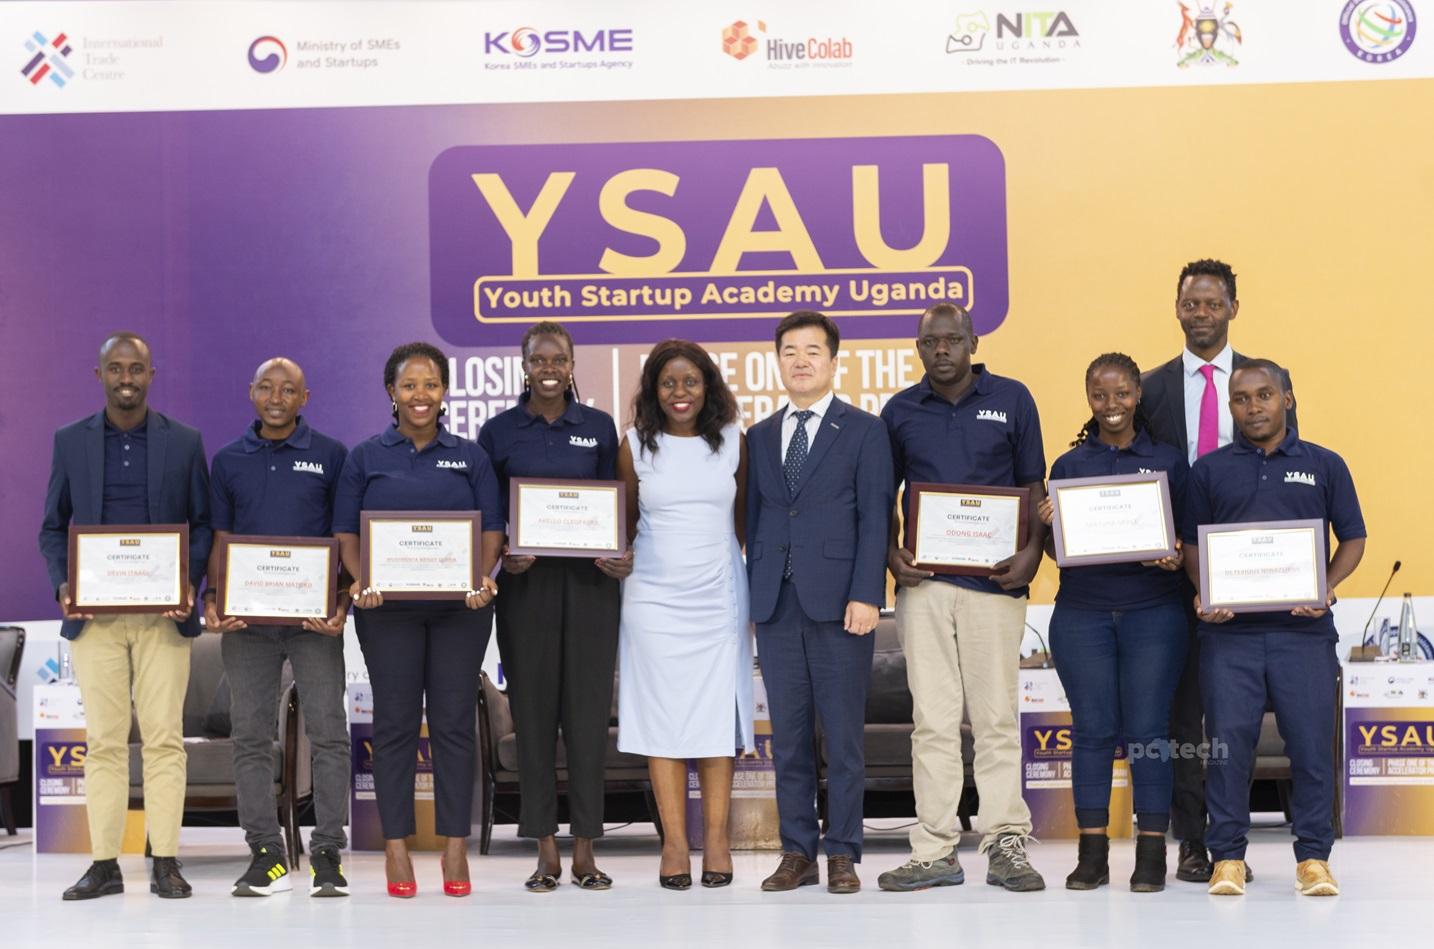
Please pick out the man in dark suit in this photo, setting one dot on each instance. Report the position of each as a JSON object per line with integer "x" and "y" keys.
{"x": 128, "y": 465}
{"x": 819, "y": 500}
{"x": 1187, "y": 402}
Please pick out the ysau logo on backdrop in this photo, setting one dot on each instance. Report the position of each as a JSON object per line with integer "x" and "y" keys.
{"x": 635, "y": 242}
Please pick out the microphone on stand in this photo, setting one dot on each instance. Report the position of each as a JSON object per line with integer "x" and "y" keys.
{"x": 1365, "y": 650}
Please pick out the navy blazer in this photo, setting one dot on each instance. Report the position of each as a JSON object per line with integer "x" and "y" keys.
{"x": 1162, "y": 394}
{"x": 178, "y": 493}
{"x": 837, "y": 522}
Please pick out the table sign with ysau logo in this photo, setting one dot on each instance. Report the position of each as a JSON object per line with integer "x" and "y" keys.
{"x": 277, "y": 581}
{"x": 1046, "y": 746}
{"x": 365, "y": 828}
{"x": 420, "y": 555}
{"x": 1262, "y": 566}
{"x": 1112, "y": 519}
{"x": 129, "y": 568}
{"x": 1389, "y": 748}
{"x": 551, "y": 517}
{"x": 966, "y": 529}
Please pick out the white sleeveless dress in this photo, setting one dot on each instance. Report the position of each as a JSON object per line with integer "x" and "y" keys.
{"x": 685, "y": 683}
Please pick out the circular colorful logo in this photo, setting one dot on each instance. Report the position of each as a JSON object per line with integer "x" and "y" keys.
{"x": 268, "y": 54}
{"x": 1377, "y": 31}
{"x": 525, "y": 41}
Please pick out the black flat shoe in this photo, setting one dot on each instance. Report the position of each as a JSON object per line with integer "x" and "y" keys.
{"x": 541, "y": 882}
{"x": 597, "y": 880}
{"x": 101, "y": 879}
{"x": 712, "y": 879}
{"x": 678, "y": 881}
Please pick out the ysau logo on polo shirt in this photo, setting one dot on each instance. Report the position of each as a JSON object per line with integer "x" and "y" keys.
{"x": 317, "y": 467}
{"x": 1300, "y": 477}
{"x": 991, "y": 415}
{"x": 1147, "y": 471}
{"x": 582, "y": 441}
{"x": 457, "y": 465}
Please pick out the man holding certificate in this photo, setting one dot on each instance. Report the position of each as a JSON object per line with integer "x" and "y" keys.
{"x": 959, "y": 429}
{"x": 277, "y": 482}
{"x": 1257, "y": 518}
{"x": 128, "y": 466}
{"x": 1118, "y": 629}
{"x": 558, "y": 616}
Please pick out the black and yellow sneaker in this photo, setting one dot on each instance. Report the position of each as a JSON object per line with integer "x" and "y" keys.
{"x": 326, "y": 873}
{"x": 267, "y": 874}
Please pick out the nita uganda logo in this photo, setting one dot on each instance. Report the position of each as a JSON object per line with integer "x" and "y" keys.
{"x": 48, "y": 59}
{"x": 1377, "y": 31}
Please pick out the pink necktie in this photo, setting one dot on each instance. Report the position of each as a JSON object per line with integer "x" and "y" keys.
{"x": 1209, "y": 438}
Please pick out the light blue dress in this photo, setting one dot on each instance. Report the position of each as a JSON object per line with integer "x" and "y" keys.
{"x": 685, "y": 682}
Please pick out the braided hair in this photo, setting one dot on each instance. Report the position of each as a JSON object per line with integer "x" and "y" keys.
{"x": 1122, "y": 363}
{"x": 550, "y": 328}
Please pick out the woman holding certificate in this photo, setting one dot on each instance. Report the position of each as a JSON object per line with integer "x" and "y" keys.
{"x": 423, "y": 603}
{"x": 558, "y": 618}
{"x": 685, "y": 647}
{"x": 1118, "y": 628}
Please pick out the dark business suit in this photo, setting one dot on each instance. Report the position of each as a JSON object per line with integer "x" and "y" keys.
{"x": 1162, "y": 394}
{"x": 835, "y": 525}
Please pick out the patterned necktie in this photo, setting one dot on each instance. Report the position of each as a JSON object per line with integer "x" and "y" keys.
{"x": 1208, "y": 438}
{"x": 792, "y": 469}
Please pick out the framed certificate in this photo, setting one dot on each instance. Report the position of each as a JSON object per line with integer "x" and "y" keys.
{"x": 277, "y": 581}
{"x": 966, "y": 529}
{"x": 117, "y": 568}
{"x": 1112, "y": 519}
{"x": 1262, "y": 566}
{"x": 420, "y": 555}
{"x": 555, "y": 518}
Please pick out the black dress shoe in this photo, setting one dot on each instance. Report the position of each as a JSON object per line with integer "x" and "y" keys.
{"x": 1194, "y": 865}
{"x": 166, "y": 883}
{"x": 101, "y": 879}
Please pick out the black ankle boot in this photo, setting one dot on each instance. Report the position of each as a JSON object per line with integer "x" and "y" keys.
{"x": 1093, "y": 863}
{"x": 1149, "y": 875}
{"x": 166, "y": 881}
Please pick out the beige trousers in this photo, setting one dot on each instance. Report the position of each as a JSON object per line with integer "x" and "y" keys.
{"x": 963, "y": 650}
{"x": 143, "y": 657}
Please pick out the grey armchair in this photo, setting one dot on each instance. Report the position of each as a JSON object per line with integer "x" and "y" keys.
{"x": 12, "y": 650}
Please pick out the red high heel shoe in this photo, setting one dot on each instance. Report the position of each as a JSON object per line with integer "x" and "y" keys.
{"x": 404, "y": 891}
{"x": 453, "y": 887}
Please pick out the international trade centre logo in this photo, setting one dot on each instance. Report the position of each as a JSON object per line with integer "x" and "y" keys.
{"x": 1377, "y": 31}
{"x": 1203, "y": 32}
{"x": 48, "y": 58}
{"x": 268, "y": 54}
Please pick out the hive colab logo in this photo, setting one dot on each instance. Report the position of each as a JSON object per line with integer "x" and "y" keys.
{"x": 47, "y": 59}
{"x": 635, "y": 242}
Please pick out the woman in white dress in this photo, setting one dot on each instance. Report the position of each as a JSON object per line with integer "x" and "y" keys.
{"x": 685, "y": 683}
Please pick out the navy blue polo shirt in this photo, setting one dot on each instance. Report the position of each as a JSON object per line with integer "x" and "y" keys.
{"x": 285, "y": 488}
{"x": 126, "y": 482}
{"x": 580, "y": 444}
{"x": 1299, "y": 480}
{"x": 992, "y": 436}
{"x": 1123, "y": 586}
{"x": 386, "y": 473}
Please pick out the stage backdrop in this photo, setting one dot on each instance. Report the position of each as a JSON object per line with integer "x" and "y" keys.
{"x": 321, "y": 186}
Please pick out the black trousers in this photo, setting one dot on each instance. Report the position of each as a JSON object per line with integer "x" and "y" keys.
{"x": 557, "y": 634}
{"x": 1187, "y": 725}
{"x": 424, "y": 656}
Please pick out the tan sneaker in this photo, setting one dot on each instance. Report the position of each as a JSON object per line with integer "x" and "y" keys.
{"x": 1312, "y": 878}
{"x": 1228, "y": 878}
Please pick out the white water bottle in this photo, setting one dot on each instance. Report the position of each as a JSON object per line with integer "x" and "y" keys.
{"x": 1408, "y": 647}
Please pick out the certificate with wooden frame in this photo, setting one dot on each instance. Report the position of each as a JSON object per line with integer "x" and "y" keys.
{"x": 277, "y": 581}
{"x": 966, "y": 529}
{"x": 420, "y": 555}
{"x": 1112, "y": 519}
{"x": 129, "y": 568}
{"x": 551, "y": 517}
{"x": 1263, "y": 566}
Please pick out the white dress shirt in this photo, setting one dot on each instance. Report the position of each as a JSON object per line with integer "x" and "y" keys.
{"x": 789, "y": 421}
{"x": 1195, "y": 391}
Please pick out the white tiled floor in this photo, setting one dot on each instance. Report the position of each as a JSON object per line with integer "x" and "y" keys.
{"x": 1386, "y": 882}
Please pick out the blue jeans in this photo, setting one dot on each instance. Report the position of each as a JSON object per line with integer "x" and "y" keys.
{"x": 1119, "y": 670}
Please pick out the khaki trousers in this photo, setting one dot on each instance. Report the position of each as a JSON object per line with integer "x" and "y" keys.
{"x": 962, "y": 651}
{"x": 140, "y": 656}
